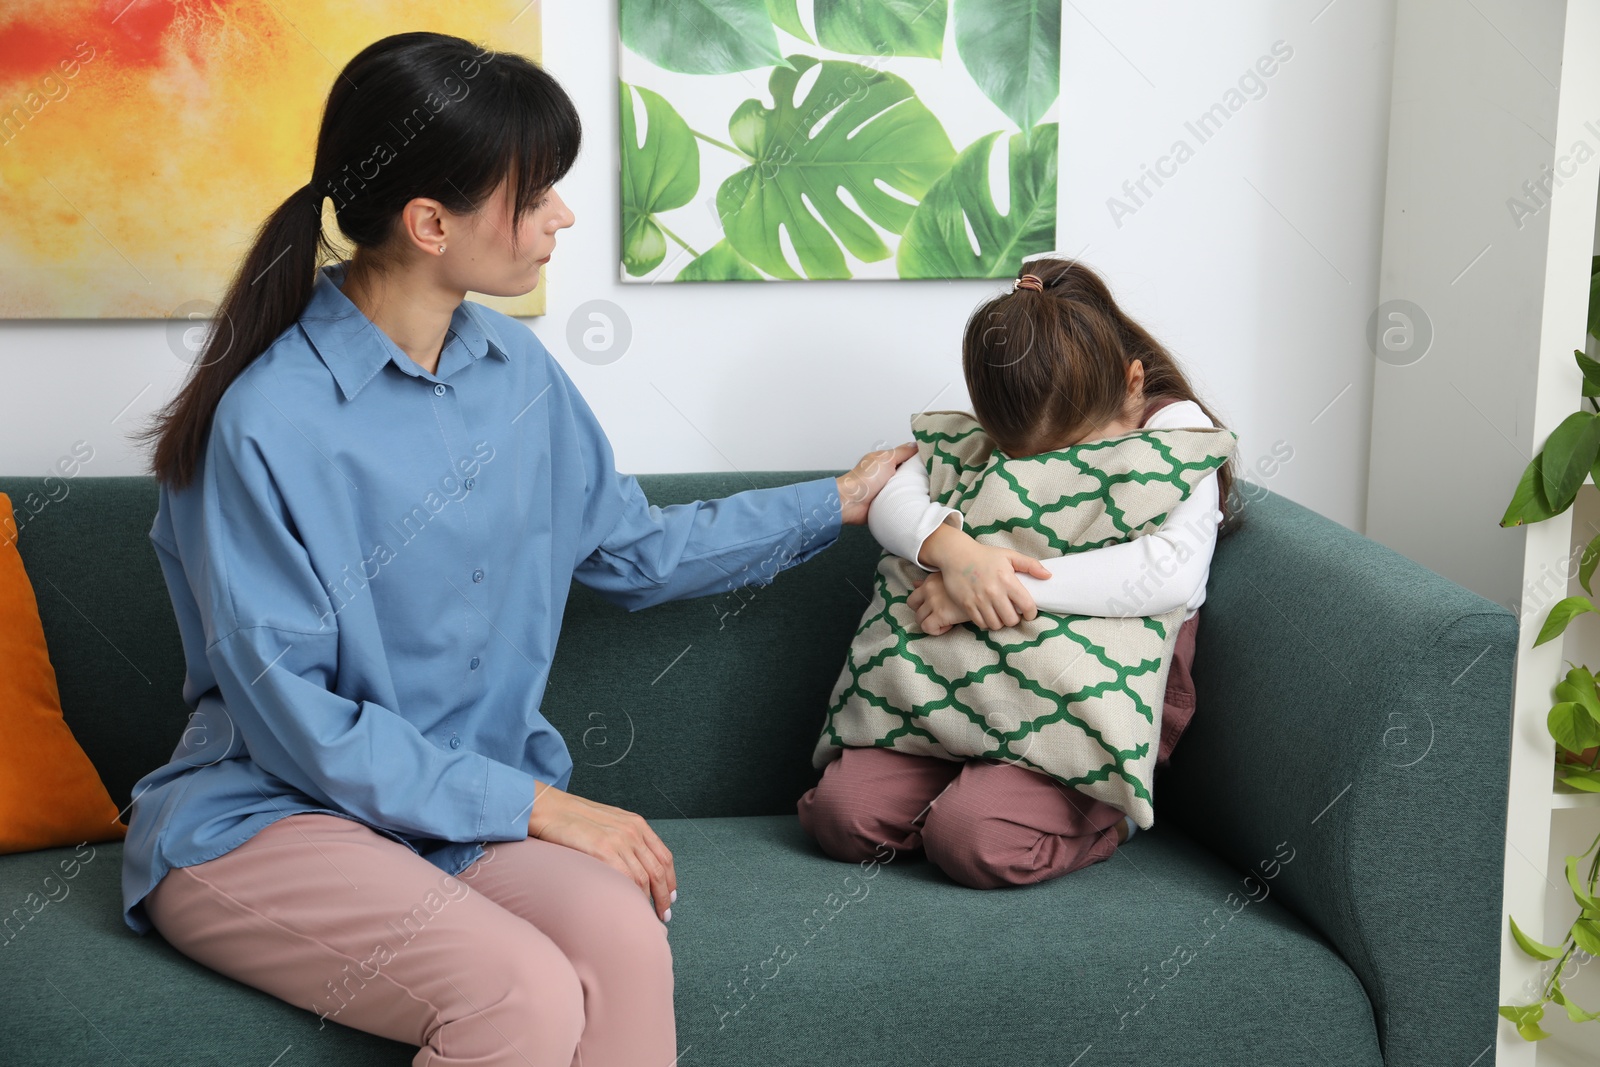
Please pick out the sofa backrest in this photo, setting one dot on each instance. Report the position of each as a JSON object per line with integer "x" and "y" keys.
{"x": 702, "y": 707}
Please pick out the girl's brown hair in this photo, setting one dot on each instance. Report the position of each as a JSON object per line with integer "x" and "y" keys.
{"x": 1045, "y": 367}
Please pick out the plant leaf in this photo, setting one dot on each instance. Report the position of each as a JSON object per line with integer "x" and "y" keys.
{"x": 896, "y": 141}
{"x": 1586, "y": 933}
{"x": 1528, "y": 503}
{"x": 1573, "y": 727}
{"x": 1537, "y": 949}
{"x": 700, "y": 36}
{"x": 1562, "y": 614}
{"x": 1589, "y": 367}
{"x": 1586, "y": 780}
{"x": 1579, "y": 892}
{"x": 786, "y": 16}
{"x": 1527, "y": 1020}
{"x": 719, "y": 263}
{"x": 1586, "y": 565}
{"x": 1012, "y": 49}
{"x": 1569, "y": 453}
{"x": 1579, "y": 685}
{"x": 882, "y": 27}
{"x": 661, "y": 175}
{"x": 936, "y": 245}
{"x": 1577, "y": 1014}
{"x": 1594, "y": 301}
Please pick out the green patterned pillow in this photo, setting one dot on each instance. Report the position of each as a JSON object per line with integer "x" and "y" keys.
{"x": 1076, "y": 697}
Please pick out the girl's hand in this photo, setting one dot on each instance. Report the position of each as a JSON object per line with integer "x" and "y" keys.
{"x": 861, "y": 483}
{"x": 936, "y": 612}
{"x": 619, "y": 837}
{"x": 982, "y": 579}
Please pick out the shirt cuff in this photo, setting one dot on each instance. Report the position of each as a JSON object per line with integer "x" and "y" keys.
{"x": 507, "y": 802}
{"x": 821, "y": 517}
{"x": 942, "y": 520}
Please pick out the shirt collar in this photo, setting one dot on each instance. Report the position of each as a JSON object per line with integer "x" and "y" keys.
{"x": 355, "y": 350}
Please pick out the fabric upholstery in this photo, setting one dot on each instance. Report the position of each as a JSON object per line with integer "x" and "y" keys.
{"x": 1382, "y": 933}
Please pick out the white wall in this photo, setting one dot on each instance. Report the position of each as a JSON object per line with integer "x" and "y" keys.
{"x": 1475, "y": 125}
{"x": 1257, "y": 263}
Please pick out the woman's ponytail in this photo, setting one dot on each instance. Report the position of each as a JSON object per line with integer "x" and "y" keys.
{"x": 267, "y": 295}
{"x": 454, "y": 122}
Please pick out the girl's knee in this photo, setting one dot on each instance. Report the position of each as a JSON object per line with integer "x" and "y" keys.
{"x": 974, "y": 847}
{"x": 841, "y": 821}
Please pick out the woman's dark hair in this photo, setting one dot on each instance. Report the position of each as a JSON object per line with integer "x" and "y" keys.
{"x": 1046, "y": 366}
{"x": 413, "y": 114}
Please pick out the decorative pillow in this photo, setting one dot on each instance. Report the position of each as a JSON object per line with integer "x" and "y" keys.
{"x": 50, "y": 794}
{"x": 1075, "y": 697}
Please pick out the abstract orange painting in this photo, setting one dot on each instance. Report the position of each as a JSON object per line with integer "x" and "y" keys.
{"x": 143, "y": 141}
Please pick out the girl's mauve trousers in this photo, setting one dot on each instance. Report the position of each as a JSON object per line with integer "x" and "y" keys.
{"x": 537, "y": 955}
{"x": 985, "y": 823}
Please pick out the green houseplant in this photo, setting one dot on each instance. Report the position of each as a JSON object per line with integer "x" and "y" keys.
{"x": 1548, "y": 487}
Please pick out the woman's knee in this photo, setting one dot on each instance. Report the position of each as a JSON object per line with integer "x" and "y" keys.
{"x": 625, "y": 927}
{"x": 510, "y": 990}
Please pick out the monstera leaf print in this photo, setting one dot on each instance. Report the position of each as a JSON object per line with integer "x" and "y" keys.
{"x": 935, "y": 244}
{"x": 661, "y": 175}
{"x": 719, "y": 263}
{"x": 1012, "y": 49}
{"x": 786, "y": 15}
{"x": 856, "y": 128}
{"x": 886, "y": 27}
{"x": 701, "y": 36}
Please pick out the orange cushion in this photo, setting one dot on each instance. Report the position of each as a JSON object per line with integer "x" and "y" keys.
{"x": 50, "y": 794}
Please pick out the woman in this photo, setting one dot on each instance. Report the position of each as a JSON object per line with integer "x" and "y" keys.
{"x": 374, "y": 496}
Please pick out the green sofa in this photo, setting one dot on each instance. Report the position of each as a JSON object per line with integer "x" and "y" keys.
{"x": 1350, "y": 748}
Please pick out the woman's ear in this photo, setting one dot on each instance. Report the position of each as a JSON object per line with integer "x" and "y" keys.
{"x": 1136, "y": 378}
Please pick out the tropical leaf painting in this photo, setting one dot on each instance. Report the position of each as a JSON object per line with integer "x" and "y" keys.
{"x": 801, "y": 140}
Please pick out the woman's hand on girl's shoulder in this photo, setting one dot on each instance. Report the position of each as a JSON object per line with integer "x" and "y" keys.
{"x": 861, "y": 483}
{"x": 616, "y": 836}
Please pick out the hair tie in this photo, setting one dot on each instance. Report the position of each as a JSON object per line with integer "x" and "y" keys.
{"x": 311, "y": 187}
{"x": 1028, "y": 281}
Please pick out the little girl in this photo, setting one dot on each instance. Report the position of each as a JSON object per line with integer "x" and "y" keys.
{"x": 1054, "y": 362}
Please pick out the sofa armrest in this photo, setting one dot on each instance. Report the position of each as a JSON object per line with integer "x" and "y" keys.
{"x": 1357, "y": 706}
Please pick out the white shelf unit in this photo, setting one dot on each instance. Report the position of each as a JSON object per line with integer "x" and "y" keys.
{"x": 1488, "y": 96}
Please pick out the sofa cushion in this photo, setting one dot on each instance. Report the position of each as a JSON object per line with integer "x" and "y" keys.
{"x": 107, "y": 617}
{"x": 50, "y": 793}
{"x": 915, "y": 969}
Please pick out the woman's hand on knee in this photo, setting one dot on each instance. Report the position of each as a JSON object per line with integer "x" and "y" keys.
{"x": 615, "y": 836}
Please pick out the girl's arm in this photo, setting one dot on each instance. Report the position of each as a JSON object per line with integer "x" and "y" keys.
{"x": 983, "y": 582}
{"x": 1146, "y": 576}
{"x": 901, "y": 516}
{"x": 1150, "y": 574}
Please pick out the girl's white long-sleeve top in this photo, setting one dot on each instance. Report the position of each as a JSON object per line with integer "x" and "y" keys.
{"x": 1145, "y": 576}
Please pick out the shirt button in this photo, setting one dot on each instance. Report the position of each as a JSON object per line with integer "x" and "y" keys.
{"x": 474, "y": 664}
{"x": 438, "y": 390}
{"x": 455, "y": 742}
{"x": 470, "y": 482}
{"x": 477, "y": 576}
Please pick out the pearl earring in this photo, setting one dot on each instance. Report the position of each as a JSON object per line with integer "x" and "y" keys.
{"x": 441, "y": 248}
